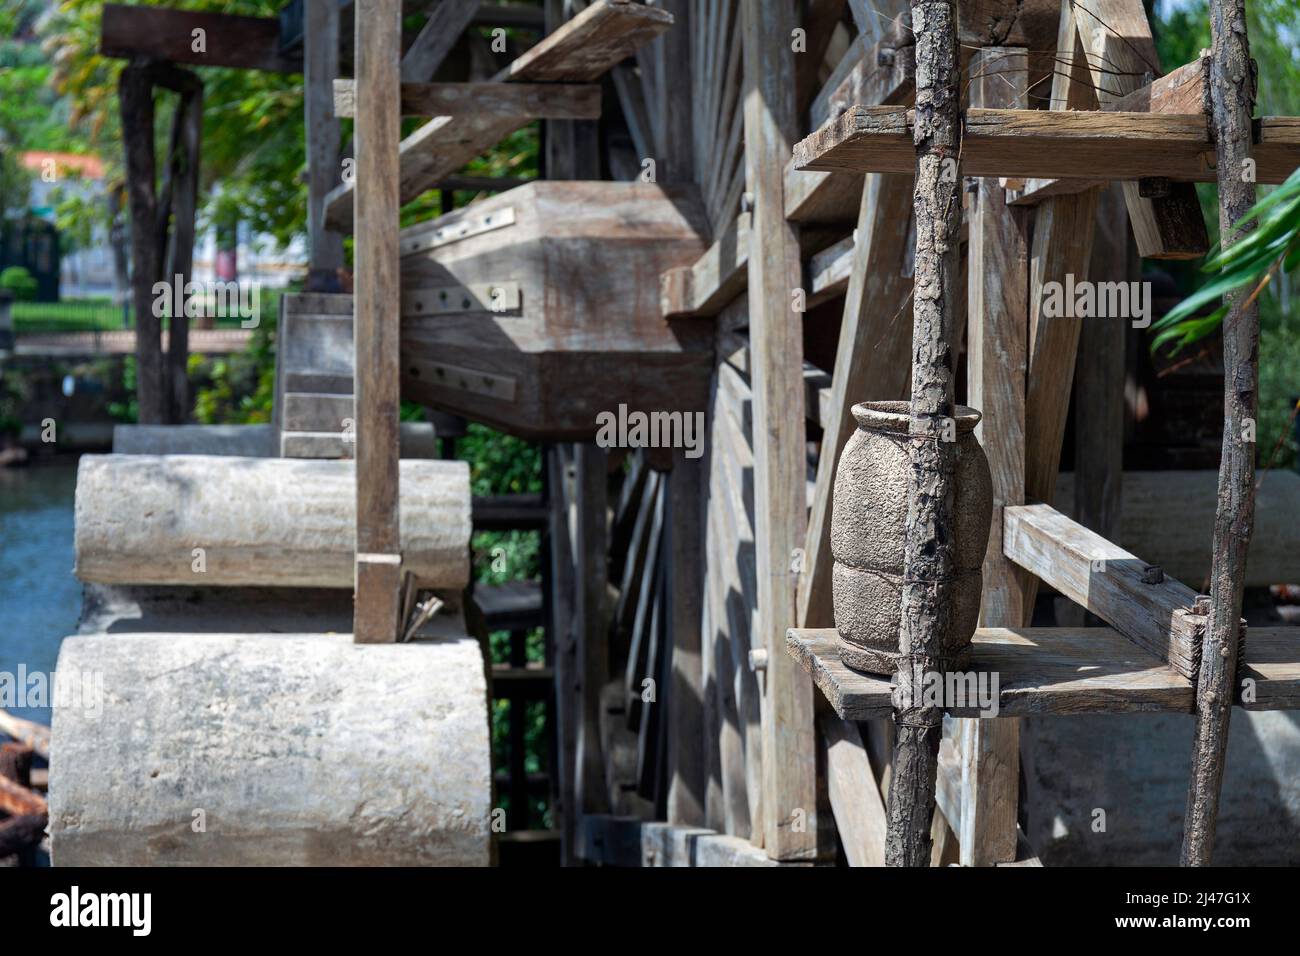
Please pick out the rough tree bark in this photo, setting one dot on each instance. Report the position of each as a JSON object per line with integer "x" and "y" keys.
{"x": 1232, "y": 93}
{"x": 927, "y": 566}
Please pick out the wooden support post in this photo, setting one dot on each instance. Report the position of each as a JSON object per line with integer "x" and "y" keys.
{"x": 184, "y": 160}
{"x": 998, "y": 323}
{"x": 560, "y": 624}
{"x": 320, "y": 68}
{"x": 776, "y": 336}
{"x": 135, "y": 95}
{"x": 377, "y": 616}
{"x": 928, "y": 557}
{"x": 590, "y": 551}
{"x": 684, "y": 548}
{"x": 1232, "y": 95}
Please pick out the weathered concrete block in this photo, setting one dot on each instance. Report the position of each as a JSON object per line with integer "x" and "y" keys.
{"x": 289, "y": 749}
{"x": 219, "y": 521}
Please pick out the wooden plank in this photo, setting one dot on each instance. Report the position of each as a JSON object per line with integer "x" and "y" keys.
{"x": 517, "y": 101}
{"x": 1272, "y": 665}
{"x": 998, "y": 323}
{"x": 561, "y": 651}
{"x": 716, "y": 278}
{"x": 1025, "y": 144}
{"x": 579, "y": 51}
{"x": 878, "y": 74}
{"x": 250, "y": 43}
{"x": 377, "y": 361}
{"x": 591, "y": 571}
{"x": 1154, "y": 611}
{"x": 855, "y": 798}
{"x": 1041, "y": 671}
{"x": 1168, "y": 516}
{"x": 871, "y": 363}
{"x": 776, "y": 334}
{"x": 439, "y": 34}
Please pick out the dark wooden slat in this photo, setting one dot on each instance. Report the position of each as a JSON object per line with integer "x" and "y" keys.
{"x": 510, "y": 606}
{"x": 522, "y": 101}
{"x": 251, "y": 43}
{"x": 508, "y": 512}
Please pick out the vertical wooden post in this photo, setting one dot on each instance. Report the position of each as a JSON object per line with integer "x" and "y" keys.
{"x": 1232, "y": 97}
{"x": 184, "y": 160}
{"x": 560, "y": 624}
{"x": 928, "y": 558}
{"x": 998, "y": 325}
{"x": 377, "y": 616}
{"x": 135, "y": 96}
{"x": 592, "y": 573}
{"x": 684, "y": 548}
{"x": 320, "y": 68}
{"x": 776, "y": 349}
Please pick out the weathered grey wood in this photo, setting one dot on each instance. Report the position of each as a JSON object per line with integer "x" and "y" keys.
{"x": 629, "y": 842}
{"x": 871, "y": 364}
{"x": 1168, "y": 517}
{"x": 377, "y": 302}
{"x": 714, "y": 279}
{"x": 559, "y": 624}
{"x": 250, "y": 43}
{"x": 184, "y": 161}
{"x": 1041, "y": 670}
{"x": 580, "y": 51}
{"x": 928, "y": 551}
{"x": 854, "y": 796}
{"x": 1107, "y": 580}
{"x": 439, "y": 34}
{"x": 1044, "y": 144}
{"x": 776, "y": 333}
{"x": 998, "y": 323}
{"x": 518, "y": 101}
{"x": 1232, "y": 95}
{"x": 320, "y": 67}
{"x": 26, "y": 732}
{"x": 141, "y": 517}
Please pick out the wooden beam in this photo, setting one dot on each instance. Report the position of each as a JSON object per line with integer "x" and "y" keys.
{"x": 1153, "y": 610}
{"x": 684, "y": 545}
{"x": 1040, "y": 671}
{"x": 377, "y": 305}
{"x": 519, "y": 101}
{"x": 996, "y": 348}
{"x": 871, "y": 363}
{"x": 716, "y": 278}
{"x": 440, "y": 32}
{"x": 591, "y": 571}
{"x": 776, "y": 333}
{"x": 1045, "y": 144}
{"x": 250, "y": 43}
{"x": 855, "y": 798}
{"x": 579, "y": 51}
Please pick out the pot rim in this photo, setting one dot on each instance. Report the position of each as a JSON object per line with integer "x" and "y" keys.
{"x": 893, "y": 416}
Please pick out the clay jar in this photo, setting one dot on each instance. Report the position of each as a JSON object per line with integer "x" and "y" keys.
{"x": 868, "y": 524}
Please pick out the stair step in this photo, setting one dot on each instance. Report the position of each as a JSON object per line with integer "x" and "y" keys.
{"x": 317, "y": 411}
{"x": 319, "y": 382}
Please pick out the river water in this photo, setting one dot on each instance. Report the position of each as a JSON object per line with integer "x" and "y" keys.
{"x": 40, "y": 600}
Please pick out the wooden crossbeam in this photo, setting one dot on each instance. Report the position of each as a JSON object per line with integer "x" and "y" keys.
{"x": 580, "y": 51}
{"x": 1153, "y": 610}
{"x": 1048, "y": 144}
{"x": 440, "y": 32}
{"x": 512, "y": 101}
{"x": 1041, "y": 670}
{"x": 855, "y": 798}
{"x": 251, "y": 43}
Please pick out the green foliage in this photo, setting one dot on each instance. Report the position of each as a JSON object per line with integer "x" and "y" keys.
{"x": 20, "y": 282}
{"x": 1245, "y": 267}
{"x": 127, "y": 412}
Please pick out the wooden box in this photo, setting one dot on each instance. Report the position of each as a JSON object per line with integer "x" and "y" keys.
{"x": 537, "y": 309}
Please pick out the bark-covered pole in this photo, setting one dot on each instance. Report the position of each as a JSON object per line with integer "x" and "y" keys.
{"x": 1232, "y": 97}
{"x": 928, "y": 560}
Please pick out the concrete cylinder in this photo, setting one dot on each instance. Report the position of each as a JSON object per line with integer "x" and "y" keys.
{"x": 225, "y": 521}
{"x": 263, "y": 749}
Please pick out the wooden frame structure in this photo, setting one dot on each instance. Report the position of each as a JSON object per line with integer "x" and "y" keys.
{"x": 803, "y": 158}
